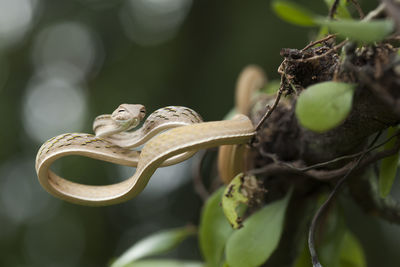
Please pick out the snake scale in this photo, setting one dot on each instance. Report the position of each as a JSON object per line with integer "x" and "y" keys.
{"x": 169, "y": 135}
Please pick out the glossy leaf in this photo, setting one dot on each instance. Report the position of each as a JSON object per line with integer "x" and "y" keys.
{"x": 388, "y": 168}
{"x": 362, "y": 31}
{"x": 293, "y": 13}
{"x": 325, "y": 105}
{"x": 155, "y": 244}
{"x": 253, "y": 244}
{"x": 231, "y": 200}
{"x": 214, "y": 230}
{"x": 165, "y": 263}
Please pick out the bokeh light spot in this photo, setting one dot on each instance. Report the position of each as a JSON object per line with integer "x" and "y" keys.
{"x": 151, "y": 22}
{"x": 53, "y": 106}
{"x": 69, "y": 43}
{"x": 21, "y": 197}
{"x": 15, "y": 18}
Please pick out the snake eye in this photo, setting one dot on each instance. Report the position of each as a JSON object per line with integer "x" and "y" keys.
{"x": 121, "y": 110}
{"x": 142, "y": 113}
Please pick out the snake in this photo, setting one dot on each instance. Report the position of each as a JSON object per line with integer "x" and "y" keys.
{"x": 232, "y": 158}
{"x": 168, "y": 136}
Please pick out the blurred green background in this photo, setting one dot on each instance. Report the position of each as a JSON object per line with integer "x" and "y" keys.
{"x": 62, "y": 63}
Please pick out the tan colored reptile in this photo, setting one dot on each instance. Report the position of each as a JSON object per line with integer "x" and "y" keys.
{"x": 114, "y": 144}
{"x": 231, "y": 158}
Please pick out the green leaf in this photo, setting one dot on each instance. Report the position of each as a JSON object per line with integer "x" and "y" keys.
{"x": 351, "y": 254}
{"x": 341, "y": 11}
{"x": 325, "y": 105}
{"x": 154, "y": 244}
{"x": 214, "y": 230}
{"x": 253, "y": 244}
{"x": 293, "y": 13}
{"x": 165, "y": 263}
{"x": 388, "y": 168}
{"x": 231, "y": 200}
{"x": 362, "y": 31}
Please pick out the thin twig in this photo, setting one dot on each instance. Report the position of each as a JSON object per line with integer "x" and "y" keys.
{"x": 279, "y": 167}
{"x": 393, "y": 10}
{"x": 333, "y": 9}
{"x": 326, "y": 38}
{"x": 323, "y": 164}
{"x": 375, "y": 13}
{"x": 311, "y": 233}
{"x": 358, "y": 8}
{"x": 271, "y": 109}
{"x": 330, "y": 51}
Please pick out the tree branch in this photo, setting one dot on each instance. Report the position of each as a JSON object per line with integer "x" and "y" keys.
{"x": 285, "y": 168}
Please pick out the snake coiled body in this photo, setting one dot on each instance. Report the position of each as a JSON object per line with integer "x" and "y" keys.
{"x": 159, "y": 120}
{"x": 188, "y": 135}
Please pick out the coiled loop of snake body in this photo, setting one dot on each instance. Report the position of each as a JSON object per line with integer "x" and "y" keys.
{"x": 162, "y": 146}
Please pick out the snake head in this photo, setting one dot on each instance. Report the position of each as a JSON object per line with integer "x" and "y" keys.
{"x": 129, "y": 115}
